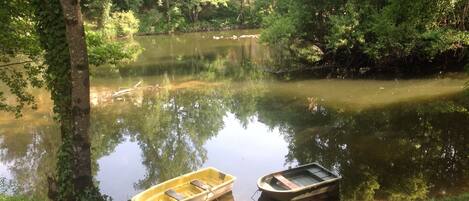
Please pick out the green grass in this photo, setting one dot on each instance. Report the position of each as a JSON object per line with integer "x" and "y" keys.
{"x": 14, "y": 198}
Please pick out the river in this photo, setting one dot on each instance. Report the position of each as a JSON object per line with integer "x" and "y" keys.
{"x": 206, "y": 101}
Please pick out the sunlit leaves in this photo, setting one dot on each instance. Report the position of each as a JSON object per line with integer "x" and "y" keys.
{"x": 17, "y": 36}
{"x": 102, "y": 50}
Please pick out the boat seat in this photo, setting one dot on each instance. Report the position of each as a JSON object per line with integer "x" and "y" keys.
{"x": 287, "y": 183}
{"x": 200, "y": 184}
{"x": 173, "y": 194}
{"x": 321, "y": 175}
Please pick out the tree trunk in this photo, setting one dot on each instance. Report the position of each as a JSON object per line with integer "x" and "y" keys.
{"x": 196, "y": 15}
{"x": 241, "y": 14}
{"x": 80, "y": 95}
{"x": 168, "y": 11}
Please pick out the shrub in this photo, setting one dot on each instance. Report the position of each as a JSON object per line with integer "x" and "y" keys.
{"x": 122, "y": 24}
{"x": 309, "y": 52}
{"x": 103, "y": 49}
{"x": 280, "y": 30}
{"x": 178, "y": 22}
{"x": 149, "y": 20}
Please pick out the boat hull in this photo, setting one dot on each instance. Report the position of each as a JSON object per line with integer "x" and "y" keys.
{"x": 210, "y": 184}
{"x": 309, "y": 181}
{"x": 306, "y": 194}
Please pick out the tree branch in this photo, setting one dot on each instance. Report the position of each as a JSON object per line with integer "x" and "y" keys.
{"x": 17, "y": 63}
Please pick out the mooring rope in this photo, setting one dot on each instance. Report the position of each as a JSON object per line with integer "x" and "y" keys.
{"x": 254, "y": 194}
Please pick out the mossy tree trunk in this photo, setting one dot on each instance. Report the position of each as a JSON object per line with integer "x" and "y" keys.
{"x": 62, "y": 36}
{"x": 80, "y": 94}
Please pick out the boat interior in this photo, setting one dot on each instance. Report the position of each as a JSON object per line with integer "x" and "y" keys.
{"x": 186, "y": 187}
{"x": 298, "y": 178}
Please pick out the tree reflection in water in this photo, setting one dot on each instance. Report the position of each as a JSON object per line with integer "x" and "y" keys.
{"x": 405, "y": 151}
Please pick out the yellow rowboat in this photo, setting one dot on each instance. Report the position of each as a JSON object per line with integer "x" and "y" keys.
{"x": 202, "y": 185}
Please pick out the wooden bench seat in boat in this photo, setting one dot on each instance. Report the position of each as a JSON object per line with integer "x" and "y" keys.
{"x": 287, "y": 183}
{"x": 200, "y": 184}
{"x": 173, "y": 194}
{"x": 322, "y": 176}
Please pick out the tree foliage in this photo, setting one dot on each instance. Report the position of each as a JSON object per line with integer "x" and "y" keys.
{"x": 20, "y": 65}
{"x": 165, "y": 16}
{"x": 372, "y": 32}
{"x": 103, "y": 49}
{"x": 22, "y": 51}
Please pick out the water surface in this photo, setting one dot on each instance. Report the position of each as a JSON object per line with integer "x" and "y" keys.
{"x": 206, "y": 102}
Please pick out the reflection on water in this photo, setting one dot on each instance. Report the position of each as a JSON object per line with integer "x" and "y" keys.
{"x": 390, "y": 140}
{"x": 405, "y": 150}
{"x": 198, "y": 55}
{"x": 320, "y": 197}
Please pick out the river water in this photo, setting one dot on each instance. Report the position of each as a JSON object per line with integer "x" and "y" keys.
{"x": 205, "y": 101}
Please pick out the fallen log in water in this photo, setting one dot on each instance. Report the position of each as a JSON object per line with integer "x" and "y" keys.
{"x": 138, "y": 84}
{"x": 121, "y": 92}
{"x": 135, "y": 93}
{"x": 126, "y": 91}
{"x": 235, "y": 37}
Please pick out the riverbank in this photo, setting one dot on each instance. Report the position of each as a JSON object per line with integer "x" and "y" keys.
{"x": 198, "y": 28}
{"x": 373, "y": 72}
